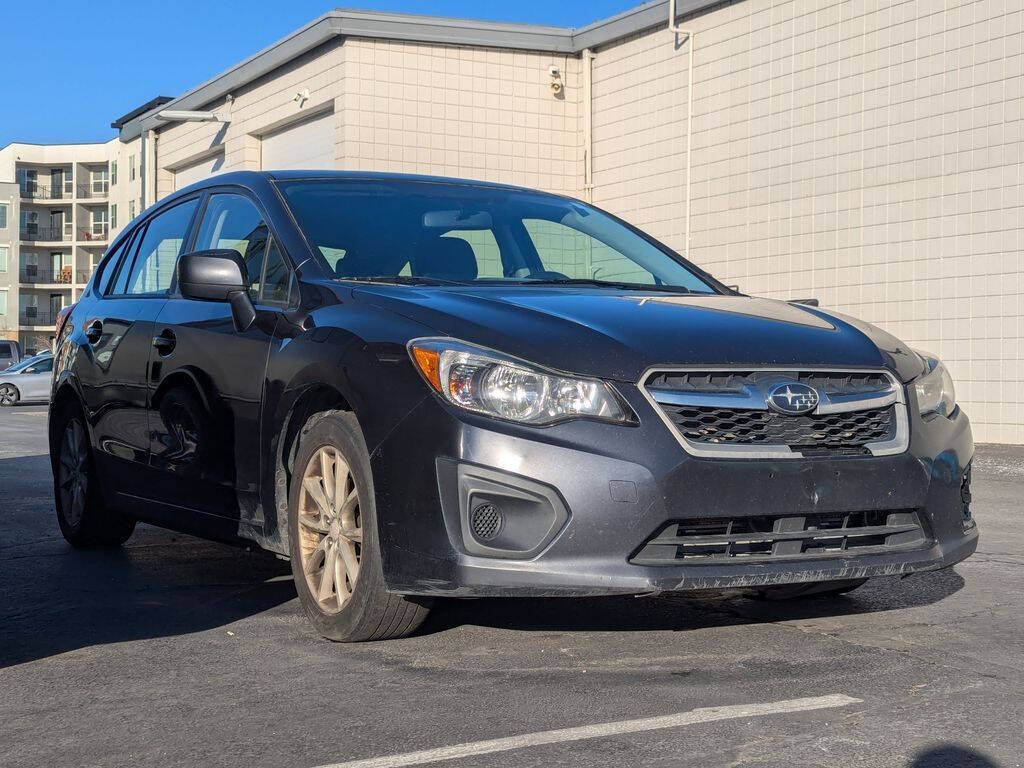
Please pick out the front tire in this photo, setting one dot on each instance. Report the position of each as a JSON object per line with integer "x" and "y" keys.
{"x": 83, "y": 518}
{"x": 333, "y": 542}
{"x": 9, "y": 395}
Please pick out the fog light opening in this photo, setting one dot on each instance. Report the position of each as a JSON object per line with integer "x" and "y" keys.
{"x": 486, "y": 522}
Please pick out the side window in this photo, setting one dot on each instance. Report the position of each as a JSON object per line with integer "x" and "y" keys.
{"x": 159, "y": 248}
{"x": 276, "y": 279}
{"x": 233, "y": 221}
{"x": 108, "y": 268}
{"x": 485, "y": 248}
{"x": 43, "y": 366}
{"x": 579, "y": 256}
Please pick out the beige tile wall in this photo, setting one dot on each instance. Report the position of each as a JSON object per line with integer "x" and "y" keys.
{"x": 469, "y": 112}
{"x": 866, "y": 153}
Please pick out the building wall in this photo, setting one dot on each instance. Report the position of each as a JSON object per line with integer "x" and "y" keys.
{"x": 9, "y": 279}
{"x": 447, "y": 110}
{"x": 478, "y": 113}
{"x": 867, "y": 154}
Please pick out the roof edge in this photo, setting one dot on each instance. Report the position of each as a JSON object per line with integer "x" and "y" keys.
{"x": 418, "y": 28}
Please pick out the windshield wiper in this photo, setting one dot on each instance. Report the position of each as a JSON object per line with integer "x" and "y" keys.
{"x": 607, "y": 284}
{"x": 405, "y": 280}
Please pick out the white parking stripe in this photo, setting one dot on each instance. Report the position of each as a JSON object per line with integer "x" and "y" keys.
{"x": 599, "y": 731}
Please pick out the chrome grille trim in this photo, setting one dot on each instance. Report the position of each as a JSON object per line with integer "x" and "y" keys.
{"x": 754, "y": 398}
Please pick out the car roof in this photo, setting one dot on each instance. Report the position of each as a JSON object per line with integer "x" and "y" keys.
{"x": 247, "y": 178}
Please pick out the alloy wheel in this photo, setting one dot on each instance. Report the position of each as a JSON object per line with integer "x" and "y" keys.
{"x": 8, "y": 395}
{"x": 73, "y": 474}
{"x": 330, "y": 529}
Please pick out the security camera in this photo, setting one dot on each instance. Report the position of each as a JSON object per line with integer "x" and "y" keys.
{"x": 553, "y": 71}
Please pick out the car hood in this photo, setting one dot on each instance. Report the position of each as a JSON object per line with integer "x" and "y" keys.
{"x": 618, "y": 334}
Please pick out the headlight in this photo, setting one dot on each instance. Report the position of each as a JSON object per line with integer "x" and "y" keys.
{"x": 488, "y": 382}
{"x": 935, "y": 388}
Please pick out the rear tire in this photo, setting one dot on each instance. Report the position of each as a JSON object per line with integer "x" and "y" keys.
{"x": 9, "y": 395}
{"x": 809, "y": 589}
{"x": 333, "y": 541}
{"x": 83, "y": 518}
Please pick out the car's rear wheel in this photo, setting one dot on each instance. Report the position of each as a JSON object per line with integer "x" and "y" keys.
{"x": 335, "y": 551}
{"x": 9, "y": 394}
{"x": 83, "y": 518}
{"x": 809, "y": 589}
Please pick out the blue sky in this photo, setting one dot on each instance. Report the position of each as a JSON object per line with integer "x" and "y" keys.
{"x": 73, "y": 66}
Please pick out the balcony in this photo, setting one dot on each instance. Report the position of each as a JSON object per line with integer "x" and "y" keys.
{"x": 40, "y": 233}
{"x": 37, "y": 317}
{"x": 94, "y": 190}
{"x": 38, "y": 275}
{"x": 44, "y": 192}
{"x": 95, "y": 233}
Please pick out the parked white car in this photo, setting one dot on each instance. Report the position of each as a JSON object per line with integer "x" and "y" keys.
{"x": 28, "y": 380}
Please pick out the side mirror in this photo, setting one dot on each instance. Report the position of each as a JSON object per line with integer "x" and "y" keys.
{"x": 218, "y": 275}
{"x": 211, "y": 275}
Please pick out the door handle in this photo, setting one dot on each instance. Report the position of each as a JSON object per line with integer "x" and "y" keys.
{"x": 165, "y": 342}
{"x": 94, "y": 331}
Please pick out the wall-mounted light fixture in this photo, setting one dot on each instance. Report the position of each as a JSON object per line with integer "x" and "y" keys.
{"x": 190, "y": 116}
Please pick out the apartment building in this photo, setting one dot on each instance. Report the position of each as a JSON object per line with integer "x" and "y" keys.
{"x": 59, "y": 207}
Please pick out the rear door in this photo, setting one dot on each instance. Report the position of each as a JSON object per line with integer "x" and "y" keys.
{"x": 208, "y": 379}
{"x": 36, "y": 380}
{"x": 119, "y": 327}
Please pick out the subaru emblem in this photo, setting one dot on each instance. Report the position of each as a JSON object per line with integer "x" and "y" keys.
{"x": 793, "y": 399}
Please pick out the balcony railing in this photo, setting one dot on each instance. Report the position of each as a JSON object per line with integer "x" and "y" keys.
{"x": 45, "y": 192}
{"x": 30, "y": 273}
{"x": 94, "y": 189}
{"x": 37, "y": 316}
{"x": 38, "y": 232}
{"x": 95, "y": 232}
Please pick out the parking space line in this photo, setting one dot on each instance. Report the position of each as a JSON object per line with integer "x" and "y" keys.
{"x": 599, "y": 731}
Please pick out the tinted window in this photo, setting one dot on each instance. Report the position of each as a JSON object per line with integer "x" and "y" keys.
{"x": 158, "y": 250}
{"x": 276, "y": 278}
{"x": 233, "y": 221}
{"x": 108, "y": 267}
{"x": 465, "y": 233}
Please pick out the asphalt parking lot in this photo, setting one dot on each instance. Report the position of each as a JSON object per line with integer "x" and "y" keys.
{"x": 179, "y": 652}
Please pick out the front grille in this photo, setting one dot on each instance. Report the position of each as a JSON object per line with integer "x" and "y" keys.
{"x": 845, "y": 432}
{"x": 726, "y": 413}
{"x": 840, "y": 383}
{"x": 767, "y": 537}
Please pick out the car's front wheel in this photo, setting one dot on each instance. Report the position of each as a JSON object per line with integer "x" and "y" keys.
{"x": 335, "y": 552}
{"x": 83, "y": 518}
{"x": 9, "y": 394}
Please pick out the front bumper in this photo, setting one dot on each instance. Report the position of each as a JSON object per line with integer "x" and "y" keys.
{"x": 613, "y": 486}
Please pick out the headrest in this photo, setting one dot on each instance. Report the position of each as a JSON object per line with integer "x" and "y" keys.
{"x": 446, "y": 258}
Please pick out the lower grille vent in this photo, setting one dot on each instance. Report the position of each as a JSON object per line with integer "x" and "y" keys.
{"x": 765, "y": 537}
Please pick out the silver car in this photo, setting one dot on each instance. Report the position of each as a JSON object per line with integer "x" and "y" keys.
{"x": 28, "y": 380}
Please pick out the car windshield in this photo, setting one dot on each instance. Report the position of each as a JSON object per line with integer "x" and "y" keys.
{"x": 444, "y": 233}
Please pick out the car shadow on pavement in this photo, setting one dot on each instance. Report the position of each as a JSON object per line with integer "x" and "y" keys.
{"x": 162, "y": 585}
{"x": 686, "y": 611}
{"x": 951, "y": 756}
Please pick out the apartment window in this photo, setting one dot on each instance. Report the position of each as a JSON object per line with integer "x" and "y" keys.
{"x": 131, "y": 209}
{"x": 113, "y": 214}
{"x": 3, "y": 302}
{"x": 99, "y": 221}
{"x": 3, "y": 215}
{"x": 131, "y": 167}
{"x": 99, "y": 181}
{"x": 113, "y": 172}
{"x": 4, "y": 253}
